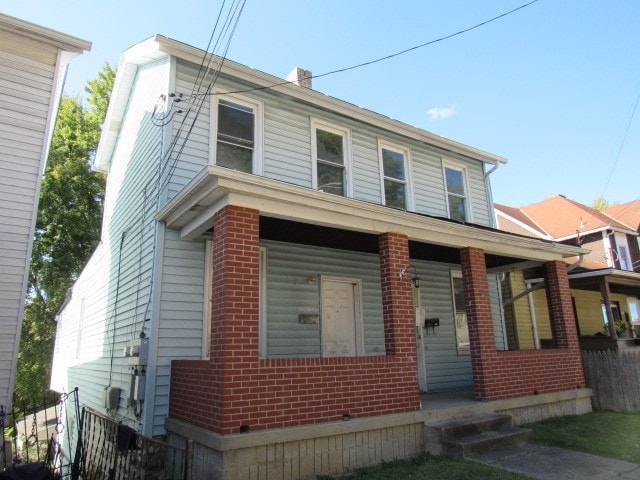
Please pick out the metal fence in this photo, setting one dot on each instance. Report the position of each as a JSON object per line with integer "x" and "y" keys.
{"x": 109, "y": 450}
{"x": 614, "y": 377}
{"x": 36, "y": 433}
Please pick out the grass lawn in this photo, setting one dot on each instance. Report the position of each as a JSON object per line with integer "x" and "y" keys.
{"x": 608, "y": 434}
{"x": 604, "y": 433}
{"x": 428, "y": 467}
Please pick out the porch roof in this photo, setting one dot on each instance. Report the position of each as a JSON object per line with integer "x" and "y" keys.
{"x": 192, "y": 209}
{"x": 620, "y": 281}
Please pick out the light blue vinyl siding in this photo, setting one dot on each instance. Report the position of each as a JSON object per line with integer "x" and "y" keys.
{"x": 188, "y": 157}
{"x": 445, "y": 368}
{"x": 477, "y": 187}
{"x": 287, "y": 144}
{"x": 181, "y": 314}
{"x": 428, "y": 183}
{"x": 116, "y": 283}
{"x": 289, "y": 293}
{"x": 366, "y": 166}
{"x": 287, "y": 150}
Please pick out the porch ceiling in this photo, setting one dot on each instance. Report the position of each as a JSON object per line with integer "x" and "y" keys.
{"x": 192, "y": 209}
{"x": 621, "y": 282}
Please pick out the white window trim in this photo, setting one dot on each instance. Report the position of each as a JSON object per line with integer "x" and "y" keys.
{"x": 408, "y": 172}
{"x": 359, "y": 309}
{"x": 457, "y": 274}
{"x": 262, "y": 319}
{"x": 208, "y": 299}
{"x": 346, "y": 143}
{"x": 608, "y": 251}
{"x": 258, "y": 134}
{"x": 467, "y": 191}
{"x": 621, "y": 241}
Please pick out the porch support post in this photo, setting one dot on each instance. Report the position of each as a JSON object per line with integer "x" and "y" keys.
{"x": 606, "y": 296}
{"x": 479, "y": 319}
{"x": 563, "y": 324}
{"x": 397, "y": 296}
{"x": 235, "y": 313}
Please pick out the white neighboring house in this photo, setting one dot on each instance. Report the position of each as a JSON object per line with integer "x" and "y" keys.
{"x": 33, "y": 64}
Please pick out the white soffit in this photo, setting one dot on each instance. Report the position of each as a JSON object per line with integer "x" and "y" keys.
{"x": 192, "y": 209}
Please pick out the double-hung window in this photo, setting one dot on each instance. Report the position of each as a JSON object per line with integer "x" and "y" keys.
{"x": 237, "y": 134}
{"x": 456, "y": 189}
{"x": 460, "y": 314}
{"x": 395, "y": 173}
{"x": 331, "y": 155}
{"x": 623, "y": 252}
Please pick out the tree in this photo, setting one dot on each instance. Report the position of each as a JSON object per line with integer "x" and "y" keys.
{"x": 67, "y": 229}
{"x": 600, "y": 204}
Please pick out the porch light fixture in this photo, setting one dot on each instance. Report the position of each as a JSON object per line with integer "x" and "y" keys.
{"x": 415, "y": 278}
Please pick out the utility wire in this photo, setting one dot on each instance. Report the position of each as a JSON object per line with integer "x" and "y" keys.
{"x": 387, "y": 57}
{"x": 622, "y": 142}
{"x": 237, "y": 12}
{"x": 615, "y": 162}
{"x": 166, "y": 160}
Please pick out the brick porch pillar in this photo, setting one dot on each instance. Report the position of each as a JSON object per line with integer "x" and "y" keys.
{"x": 235, "y": 313}
{"x": 397, "y": 296}
{"x": 561, "y": 314}
{"x": 479, "y": 319}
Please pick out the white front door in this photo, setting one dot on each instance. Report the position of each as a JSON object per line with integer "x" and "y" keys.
{"x": 341, "y": 308}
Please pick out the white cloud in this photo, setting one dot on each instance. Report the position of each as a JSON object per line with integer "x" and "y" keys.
{"x": 439, "y": 113}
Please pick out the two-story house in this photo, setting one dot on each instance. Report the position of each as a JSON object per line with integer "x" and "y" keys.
{"x": 33, "y": 64}
{"x": 281, "y": 271}
{"x": 605, "y": 285}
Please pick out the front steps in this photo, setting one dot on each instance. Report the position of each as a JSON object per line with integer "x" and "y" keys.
{"x": 464, "y": 437}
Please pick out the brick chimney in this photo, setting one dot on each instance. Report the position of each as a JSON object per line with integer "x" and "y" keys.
{"x": 300, "y": 77}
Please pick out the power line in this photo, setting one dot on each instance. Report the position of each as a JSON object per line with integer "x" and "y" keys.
{"x": 233, "y": 13}
{"x": 396, "y": 54}
{"x": 622, "y": 142}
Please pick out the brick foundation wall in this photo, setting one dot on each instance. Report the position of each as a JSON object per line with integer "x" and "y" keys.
{"x": 236, "y": 390}
{"x": 508, "y": 374}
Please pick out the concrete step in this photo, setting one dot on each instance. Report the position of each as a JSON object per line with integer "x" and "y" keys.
{"x": 465, "y": 446}
{"x": 464, "y": 437}
{"x": 458, "y": 427}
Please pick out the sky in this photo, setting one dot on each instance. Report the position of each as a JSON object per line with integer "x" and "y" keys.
{"x": 552, "y": 87}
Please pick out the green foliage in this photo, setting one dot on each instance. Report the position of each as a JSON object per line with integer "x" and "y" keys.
{"x": 605, "y": 433}
{"x": 600, "y": 204}
{"x": 67, "y": 229}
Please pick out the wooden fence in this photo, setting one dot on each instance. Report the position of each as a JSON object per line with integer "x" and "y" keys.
{"x": 614, "y": 377}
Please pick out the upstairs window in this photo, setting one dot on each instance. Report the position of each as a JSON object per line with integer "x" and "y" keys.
{"x": 456, "y": 189}
{"x": 624, "y": 258}
{"x": 331, "y": 157}
{"x": 395, "y": 176}
{"x": 623, "y": 252}
{"x": 237, "y": 128}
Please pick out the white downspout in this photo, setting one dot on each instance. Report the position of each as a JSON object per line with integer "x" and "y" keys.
{"x": 487, "y": 186}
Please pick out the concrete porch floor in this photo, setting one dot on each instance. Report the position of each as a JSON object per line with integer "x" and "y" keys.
{"x": 447, "y": 399}
{"x": 438, "y": 406}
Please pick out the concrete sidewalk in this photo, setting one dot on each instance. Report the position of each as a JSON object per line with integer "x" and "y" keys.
{"x": 551, "y": 463}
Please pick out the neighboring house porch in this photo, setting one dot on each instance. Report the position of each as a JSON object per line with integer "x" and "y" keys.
{"x": 605, "y": 283}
